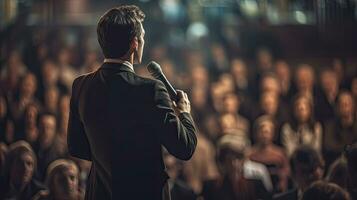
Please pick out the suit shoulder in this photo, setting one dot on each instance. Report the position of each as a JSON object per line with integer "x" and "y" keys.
{"x": 149, "y": 82}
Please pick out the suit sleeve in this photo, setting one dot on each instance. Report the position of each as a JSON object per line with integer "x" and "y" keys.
{"x": 78, "y": 145}
{"x": 176, "y": 133}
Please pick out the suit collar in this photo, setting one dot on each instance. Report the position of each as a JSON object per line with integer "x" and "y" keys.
{"x": 117, "y": 67}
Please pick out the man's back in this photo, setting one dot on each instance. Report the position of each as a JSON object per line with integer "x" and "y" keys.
{"x": 119, "y": 120}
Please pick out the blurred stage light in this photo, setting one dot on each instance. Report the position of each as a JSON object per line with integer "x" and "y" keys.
{"x": 300, "y": 17}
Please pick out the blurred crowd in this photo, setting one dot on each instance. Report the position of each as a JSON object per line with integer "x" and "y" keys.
{"x": 268, "y": 128}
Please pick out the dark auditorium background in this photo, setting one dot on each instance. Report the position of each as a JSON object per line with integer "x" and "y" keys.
{"x": 272, "y": 85}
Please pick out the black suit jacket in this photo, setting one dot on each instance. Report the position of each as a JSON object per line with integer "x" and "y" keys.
{"x": 119, "y": 121}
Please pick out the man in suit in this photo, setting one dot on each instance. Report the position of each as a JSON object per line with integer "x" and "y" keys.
{"x": 120, "y": 121}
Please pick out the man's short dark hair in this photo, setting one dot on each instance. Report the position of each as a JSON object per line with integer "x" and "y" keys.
{"x": 117, "y": 28}
{"x": 306, "y": 159}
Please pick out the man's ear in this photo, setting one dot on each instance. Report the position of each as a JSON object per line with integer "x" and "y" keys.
{"x": 134, "y": 44}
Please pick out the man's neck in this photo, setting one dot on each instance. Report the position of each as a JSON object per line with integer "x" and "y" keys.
{"x": 126, "y": 61}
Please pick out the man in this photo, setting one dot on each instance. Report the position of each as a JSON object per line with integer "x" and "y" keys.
{"x": 119, "y": 120}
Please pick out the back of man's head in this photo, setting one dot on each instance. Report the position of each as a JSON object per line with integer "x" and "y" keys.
{"x": 306, "y": 166}
{"x": 117, "y": 28}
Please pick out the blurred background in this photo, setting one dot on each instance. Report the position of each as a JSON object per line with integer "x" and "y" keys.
{"x": 272, "y": 84}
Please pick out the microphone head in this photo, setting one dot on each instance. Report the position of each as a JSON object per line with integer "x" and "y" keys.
{"x": 154, "y": 69}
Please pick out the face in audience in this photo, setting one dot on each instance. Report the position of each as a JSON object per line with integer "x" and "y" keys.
{"x": 302, "y": 109}
{"x": 65, "y": 182}
{"x": 228, "y": 122}
{"x": 51, "y": 99}
{"x": 265, "y": 132}
{"x": 29, "y": 85}
{"x": 270, "y": 84}
{"x": 239, "y": 69}
{"x": 49, "y": 73}
{"x": 231, "y": 103}
{"x": 304, "y": 78}
{"x": 269, "y": 103}
{"x": 264, "y": 58}
{"x": 22, "y": 169}
{"x": 346, "y": 105}
{"x": 48, "y": 130}
{"x": 198, "y": 98}
{"x": 329, "y": 81}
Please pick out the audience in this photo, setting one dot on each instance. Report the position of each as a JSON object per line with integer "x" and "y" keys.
{"x": 250, "y": 124}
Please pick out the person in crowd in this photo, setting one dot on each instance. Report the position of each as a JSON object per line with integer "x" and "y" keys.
{"x": 307, "y": 166}
{"x": 239, "y": 72}
{"x": 62, "y": 180}
{"x": 179, "y": 190}
{"x": 219, "y": 62}
{"x": 51, "y": 99}
{"x": 325, "y": 105}
{"x": 343, "y": 130}
{"x": 11, "y": 74}
{"x": 49, "y": 146}
{"x": 269, "y": 154}
{"x": 25, "y": 96}
{"x": 240, "y": 178}
{"x": 229, "y": 125}
{"x": 305, "y": 80}
{"x": 302, "y": 130}
{"x": 326, "y": 191}
{"x": 231, "y": 105}
{"x": 20, "y": 167}
{"x": 49, "y": 78}
{"x": 270, "y": 105}
{"x": 283, "y": 73}
{"x": 66, "y": 71}
{"x": 30, "y": 127}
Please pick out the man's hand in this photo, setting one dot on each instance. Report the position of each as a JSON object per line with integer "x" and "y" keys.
{"x": 183, "y": 104}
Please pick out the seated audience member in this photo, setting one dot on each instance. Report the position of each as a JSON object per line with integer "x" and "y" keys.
{"x": 306, "y": 167}
{"x": 325, "y": 105}
{"x": 179, "y": 190}
{"x": 325, "y": 191}
{"x": 270, "y": 105}
{"x": 62, "y": 182}
{"x": 240, "y": 178}
{"x": 302, "y": 130}
{"x": 229, "y": 125}
{"x": 283, "y": 73}
{"x": 25, "y": 96}
{"x": 351, "y": 156}
{"x": 269, "y": 154}
{"x": 49, "y": 147}
{"x": 231, "y": 104}
{"x": 30, "y": 128}
{"x": 19, "y": 169}
{"x": 342, "y": 131}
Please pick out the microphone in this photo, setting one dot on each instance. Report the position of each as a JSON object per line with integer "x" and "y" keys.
{"x": 156, "y": 72}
